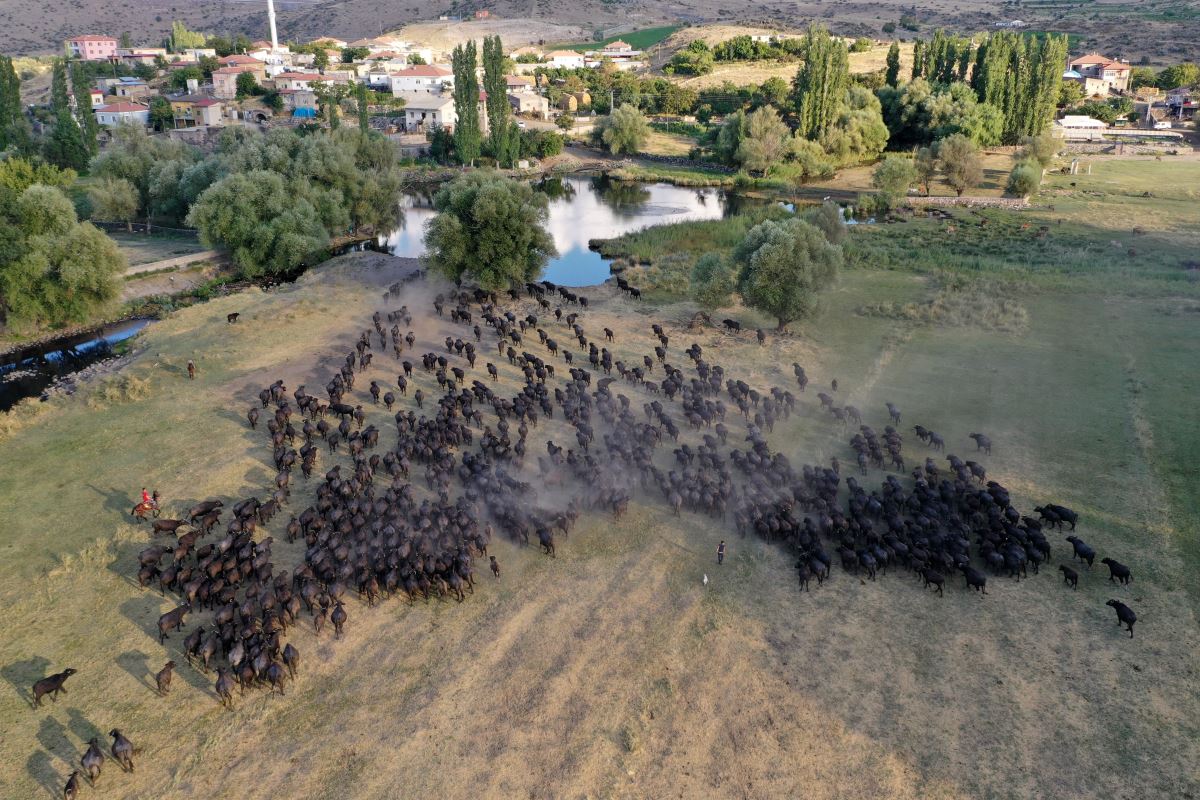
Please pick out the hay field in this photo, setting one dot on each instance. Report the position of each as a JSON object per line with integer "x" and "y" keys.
{"x": 613, "y": 671}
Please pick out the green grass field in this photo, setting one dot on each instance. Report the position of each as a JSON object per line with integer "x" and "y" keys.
{"x": 642, "y": 39}
{"x": 613, "y": 670}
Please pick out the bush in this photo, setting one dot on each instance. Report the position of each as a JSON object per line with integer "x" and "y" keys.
{"x": 889, "y": 27}
{"x": 712, "y": 281}
{"x": 1024, "y": 179}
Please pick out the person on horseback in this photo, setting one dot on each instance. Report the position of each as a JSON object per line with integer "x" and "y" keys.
{"x": 148, "y": 500}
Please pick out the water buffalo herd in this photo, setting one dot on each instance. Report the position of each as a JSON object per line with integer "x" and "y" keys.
{"x": 410, "y": 517}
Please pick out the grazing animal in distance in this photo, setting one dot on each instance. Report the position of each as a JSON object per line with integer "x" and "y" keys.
{"x": 93, "y": 760}
{"x": 163, "y": 678}
{"x": 71, "y": 789}
{"x": 1083, "y": 551}
{"x": 232, "y": 318}
{"x": 982, "y": 442}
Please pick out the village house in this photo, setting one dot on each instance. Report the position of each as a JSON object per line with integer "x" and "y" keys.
{"x": 529, "y": 104}
{"x": 424, "y": 110}
{"x": 225, "y": 78}
{"x": 300, "y": 102}
{"x": 131, "y": 88}
{"x": 299, "y": 80}
{"x": 421, "y": 78}
{"x": 121, "y": 113}
{"x": 518, "y": 83}
{"x": 565, "y": 59}
{"x": 1114, "y": 74}
{"x": 238, "y": 60}
{"x": 192, "y": 110}
{"x": 92, "y": 48}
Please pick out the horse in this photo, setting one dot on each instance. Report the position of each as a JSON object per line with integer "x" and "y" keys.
{"x": 140, "y": 510}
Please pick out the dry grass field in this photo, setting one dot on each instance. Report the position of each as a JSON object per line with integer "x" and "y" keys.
{"x": 613, "y": 670}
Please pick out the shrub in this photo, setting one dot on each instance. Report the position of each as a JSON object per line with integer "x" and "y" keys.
{"x": 1024, "y": 179}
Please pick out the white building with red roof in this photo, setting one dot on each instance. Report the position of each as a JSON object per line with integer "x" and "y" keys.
{"x": 421, "y": 78}
{"x": 1113, "y": 72}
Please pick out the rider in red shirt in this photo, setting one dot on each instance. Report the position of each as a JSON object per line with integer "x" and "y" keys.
{"x": 147, "y": 500}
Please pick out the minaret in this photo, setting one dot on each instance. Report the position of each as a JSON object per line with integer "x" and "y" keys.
{"x": 274, "y": 33}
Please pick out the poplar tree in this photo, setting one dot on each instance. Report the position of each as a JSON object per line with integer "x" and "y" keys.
{"x": 893, "y": 65}
{"x": 496, "y": 88}
{"x": 819, "y": 87}
{"x": 11, "y": 116}
{"x": 83, "y": 106}
{"x": 65, "y": 146}
{"x": 466, "y": 103}
{"x": 918, "y": 59}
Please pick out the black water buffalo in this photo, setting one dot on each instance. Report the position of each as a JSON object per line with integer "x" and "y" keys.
{"x": 1125, "y": 615}
{"x": 51, "y": 685}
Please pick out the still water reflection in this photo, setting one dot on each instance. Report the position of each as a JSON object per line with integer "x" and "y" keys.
{"x": 583, "y": 209}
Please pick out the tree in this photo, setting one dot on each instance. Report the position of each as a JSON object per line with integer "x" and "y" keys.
{"x": 467, "y": 137}
{"x": 126, "y": 40}
{"x": 695, "y": 59}
{"x": 352, "y": 54}
{"x": 364, "y": 112}
{"x": 565, "y": 121}
{"x": 893, "y": 177}
{"x": 496, "y": 88}
{"x": 162, "y": 118}
{"x": 65, "y": 147}
{"x": 858, "y": 134}
{"x": 1041, "y": 148}
{"x": 183, "y": 39}
{"x": 441, "y": 144}
{"x": 1022, "y": 77}
{"x": 1070, "y": 93}
{"x": 624, "y": 130}
{"x": 12, "y": 118}
{"x": 179, "y": 78}
{"x": 729, "y": 137}
{"x": 712, "y": 282}
{"x": 774, "y": 90}
{"x": 490, "y": 229}
{"x": 782, "y": 266}
{"x": 321, "y": 59}
{"x": 960, "y": 163}
{"x": 56, "y": 269}
{"x": 926, "y": 164}
{"x": 247, "y": 85}
{"x": 820, "y": 83}
{"x": 416, "y": 59}
{"x": 1024, "y": 179}
{"x": 18, "y": 174}
{"x": 893, "y": 65}
{"x": 114, "y": 200}
{"x": 265, "y": 227}
{"x": 829, "y": 220}
{"x": 82, "y": 90}
{"x": 766, "y": 141}
{"x": 1186, "y": 74}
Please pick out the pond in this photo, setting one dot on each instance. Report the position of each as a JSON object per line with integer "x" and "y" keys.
{"x": 31, "y": 370}
{"x": 582, "y": 209}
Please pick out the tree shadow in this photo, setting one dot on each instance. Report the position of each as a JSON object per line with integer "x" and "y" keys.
{"x": 23, "y": 674}
{"x": 40, "y": 767}
{"x": 81, "y": 727}
{"x": 137, "y": 664}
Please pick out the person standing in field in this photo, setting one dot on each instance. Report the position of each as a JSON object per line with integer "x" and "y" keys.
{"x": 721, "y": 552}
{"x": 191, "y": 369}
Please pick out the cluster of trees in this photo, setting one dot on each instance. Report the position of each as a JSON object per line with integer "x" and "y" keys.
{"x": 272, "y": 200}
{"x": 1173, "y": 77}
{"x": 1021, "y": 76}
{"x": 779, "y": 267}
{"x": 54, "y": 269}
{"x": 505, "y": 142}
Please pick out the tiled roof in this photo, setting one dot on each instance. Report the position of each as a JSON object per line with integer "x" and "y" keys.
{"x": 122, "y": 108}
